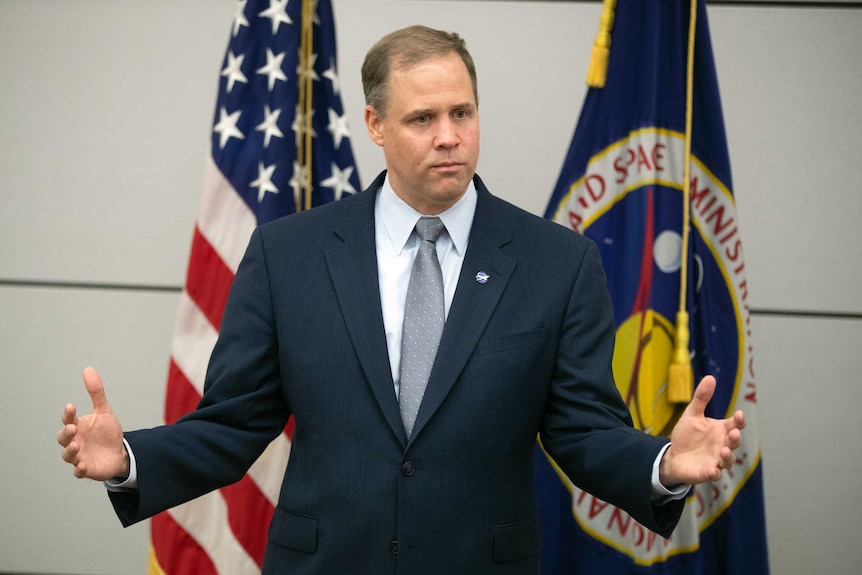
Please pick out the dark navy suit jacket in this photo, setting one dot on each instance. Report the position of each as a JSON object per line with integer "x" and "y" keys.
{"x": 526, "y": 353}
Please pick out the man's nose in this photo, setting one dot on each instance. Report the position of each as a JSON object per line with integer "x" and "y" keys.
{"x": 447, "y": 134}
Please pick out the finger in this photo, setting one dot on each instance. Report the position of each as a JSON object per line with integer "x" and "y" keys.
{"x": 702, "y": 395}
{"x": 96, "y": 390}
{"x": 727, "y": 458}
{"x": 734, "y": 439}
{"x": 70, "y": 415}
{"x": 739, "y": 419}
{"x": 735, "y": 422}
{"x": 66, "y": 434}
{"x": 70, "y": 454}
{"x": 80, "y": 471}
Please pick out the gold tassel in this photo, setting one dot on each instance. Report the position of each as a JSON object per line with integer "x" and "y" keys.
{"x": 680, "y": 377}
{"x": 680, "y": 384}
{"x": 598, "y": 69}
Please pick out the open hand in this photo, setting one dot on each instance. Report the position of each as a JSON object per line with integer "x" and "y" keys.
{"x": 701, "y": 447}
{"x": 93, "y": 443}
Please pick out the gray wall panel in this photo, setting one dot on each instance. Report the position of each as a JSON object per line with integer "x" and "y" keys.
{"x": 809, "y": 397}
{"x": 51, "y": 522}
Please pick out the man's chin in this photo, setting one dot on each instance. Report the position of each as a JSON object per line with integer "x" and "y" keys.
{"x": 452, "y": 188}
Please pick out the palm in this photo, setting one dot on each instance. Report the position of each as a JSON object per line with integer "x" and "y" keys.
{"x": 100, "y": 439}
{"x": 93, "y": 443}
{"x": 701, "y": 446}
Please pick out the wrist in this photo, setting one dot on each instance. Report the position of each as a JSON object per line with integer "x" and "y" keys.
{"x": 665, "y": 470}
{"x": 125, "y": 467}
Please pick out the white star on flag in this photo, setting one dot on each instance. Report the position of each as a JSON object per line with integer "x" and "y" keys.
{"x": 269, "y": 126}
{"x": 297, "y": 182}
{"x": 332, "y": 75}
{"x": 239, "y": 19}
{"x": 273, "y": 69}
{"x": 314, "y": 16}
{"x": 263, "y": 183}
{"x": 233, "y": 70}
{"x": 226, "y": 127}
{"x": 339, "y": 181}
{"x": 337, "y": 127}
{"x": 277, "y": 12}
{"x": 298, "y": 125}
{"x": 314, "y": 75}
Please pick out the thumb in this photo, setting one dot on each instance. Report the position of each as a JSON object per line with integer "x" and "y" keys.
{"x": 702, "y": 395}
{"x": 96, "y": 390}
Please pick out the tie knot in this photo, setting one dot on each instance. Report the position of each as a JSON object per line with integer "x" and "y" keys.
{"x": 429, "y": 229}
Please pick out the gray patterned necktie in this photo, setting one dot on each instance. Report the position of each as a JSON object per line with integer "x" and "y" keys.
{"x": 424, "y": 316}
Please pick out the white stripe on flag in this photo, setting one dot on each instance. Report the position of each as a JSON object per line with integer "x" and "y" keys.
{"x": 205, "y": 520}
{"x": 225, "y": 220}
{"x": 268, "y": 471}
{"x": 193, "y": 341}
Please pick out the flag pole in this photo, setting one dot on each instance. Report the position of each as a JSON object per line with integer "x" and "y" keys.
{"x": 305, "y": 105}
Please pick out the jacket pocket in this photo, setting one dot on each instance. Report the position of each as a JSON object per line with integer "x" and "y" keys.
{"x": 514, "y": 541}
{"x": 513, "y": 341}
{"x": 296, "y": 532}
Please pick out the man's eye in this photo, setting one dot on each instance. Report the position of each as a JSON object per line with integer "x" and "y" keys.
{"x": 422, "y": 119}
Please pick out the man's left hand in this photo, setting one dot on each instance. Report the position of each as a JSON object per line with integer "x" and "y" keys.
{"x": 701, "y": 447}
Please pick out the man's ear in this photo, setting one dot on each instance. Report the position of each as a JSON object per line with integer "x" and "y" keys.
{"x": 374, "y": 125}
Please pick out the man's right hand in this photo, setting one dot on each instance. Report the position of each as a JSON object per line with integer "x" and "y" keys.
{"x": 93, "y": 443}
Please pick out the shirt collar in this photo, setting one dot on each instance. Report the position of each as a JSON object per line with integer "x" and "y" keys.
{"x": 399, "y": 219}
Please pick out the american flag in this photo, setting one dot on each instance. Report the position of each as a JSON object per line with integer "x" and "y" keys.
{"x": 278, "y": 120}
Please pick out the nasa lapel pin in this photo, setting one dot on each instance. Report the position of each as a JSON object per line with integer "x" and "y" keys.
{"x": 482, "y": 277}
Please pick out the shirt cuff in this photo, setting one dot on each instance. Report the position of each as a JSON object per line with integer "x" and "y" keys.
{"x": 660, "y": 493}
{"x": 131, "y": 482}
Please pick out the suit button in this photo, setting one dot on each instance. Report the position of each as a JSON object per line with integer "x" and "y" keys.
{"x": 393, "y": 547}
{"x": 408, "y": 469}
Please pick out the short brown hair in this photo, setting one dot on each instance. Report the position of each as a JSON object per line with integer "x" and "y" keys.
{"x": 405, "y": 48}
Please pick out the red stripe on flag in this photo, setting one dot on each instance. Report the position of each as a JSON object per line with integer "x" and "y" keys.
{"x": 249, "y": 514}
{"x": 248, "y": 509}
{"x": 182, "y": 397}
{"x": 208, "y": 279}
{"x": 176, "y": 551}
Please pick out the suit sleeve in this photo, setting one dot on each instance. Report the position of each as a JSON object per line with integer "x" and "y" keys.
{"x": 242, "y": 409}
{"x": 587, "y": 428}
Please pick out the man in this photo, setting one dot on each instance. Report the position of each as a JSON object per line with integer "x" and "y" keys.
{"x": 316, "y": 324}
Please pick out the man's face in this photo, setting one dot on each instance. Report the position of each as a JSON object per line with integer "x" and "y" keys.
{"x": 430, "y": 136}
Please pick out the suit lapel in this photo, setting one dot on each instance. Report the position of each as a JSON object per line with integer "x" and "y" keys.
{"x": 353, "y": 268}
{"x": 474, "y": 301}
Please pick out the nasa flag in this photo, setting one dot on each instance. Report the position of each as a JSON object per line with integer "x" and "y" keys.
{"x": 648, "y": 178}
